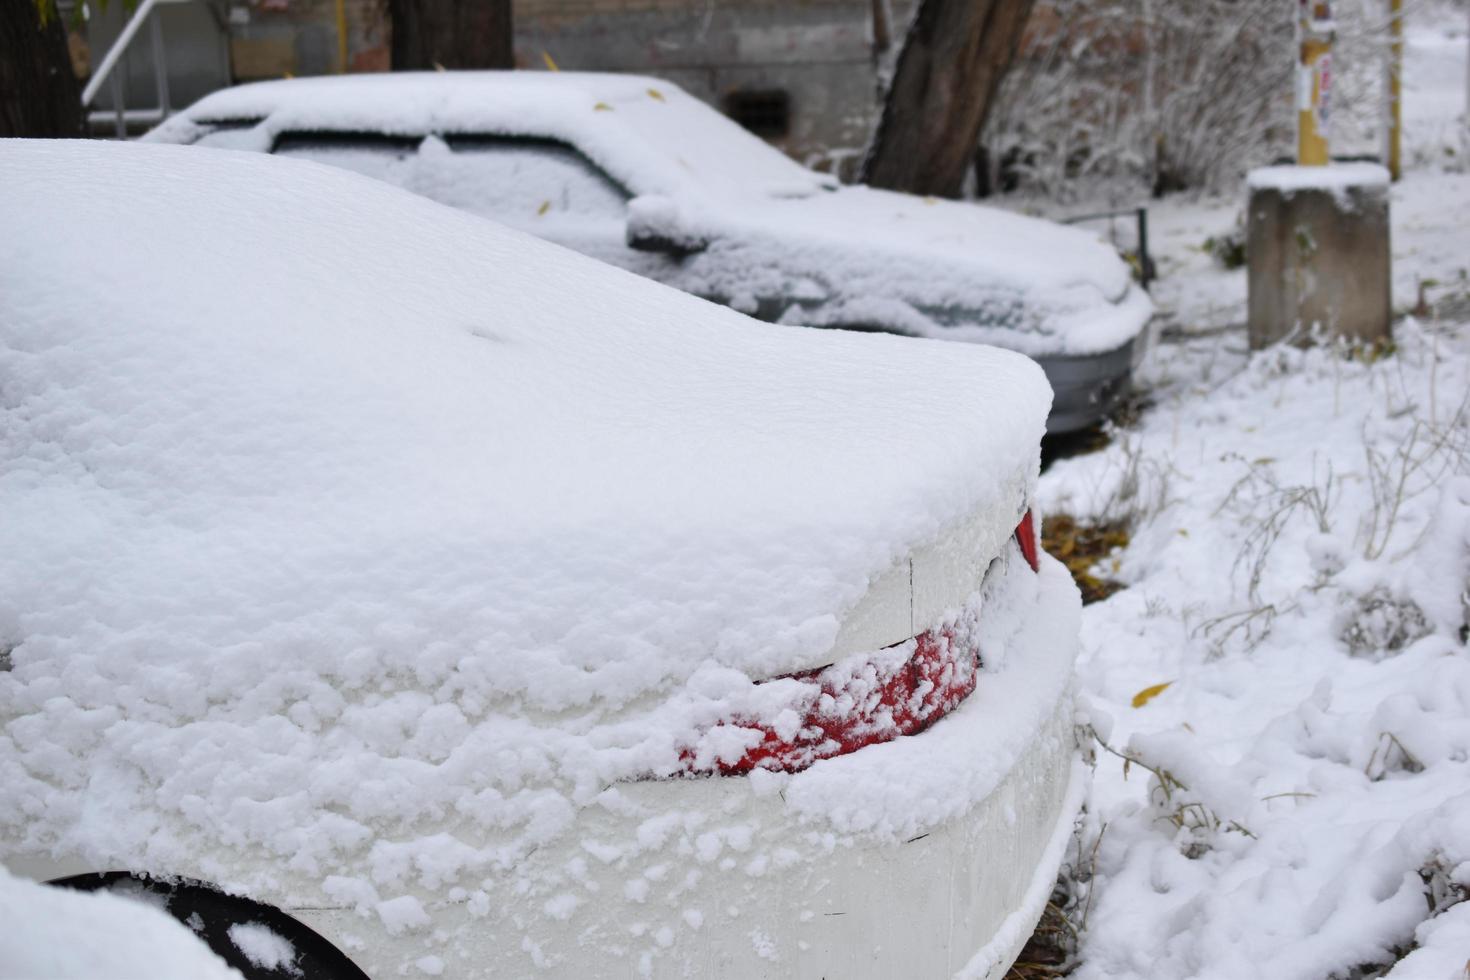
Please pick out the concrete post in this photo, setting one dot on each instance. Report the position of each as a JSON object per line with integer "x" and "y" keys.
{"x": 1317, "y": 247}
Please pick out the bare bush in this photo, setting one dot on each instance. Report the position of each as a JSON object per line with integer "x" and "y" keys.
{"x": 1409, "y": 469}
{"x": 1133, "y": 94}
{"x": 1265, "y": 506}
{"x": 1380, "y": 623}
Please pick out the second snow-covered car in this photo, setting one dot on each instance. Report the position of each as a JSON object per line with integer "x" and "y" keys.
{"x": 637, "y": 172}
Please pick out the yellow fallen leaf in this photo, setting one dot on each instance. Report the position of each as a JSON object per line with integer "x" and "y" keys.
{"x": 1183, "y": 532}
{"x": 545, "y": 206}
{"x": 602, "y": 107}
{"x": 550, "y": 65}
{"x": 1146, "y": 695}
{"x": 654, "y": 93}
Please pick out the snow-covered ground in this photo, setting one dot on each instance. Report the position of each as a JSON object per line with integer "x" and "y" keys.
{"x": 1298, "y": 794}
{"x": 55, "y": 932}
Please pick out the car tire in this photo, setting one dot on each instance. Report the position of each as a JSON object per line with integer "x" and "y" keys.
{"x": 211, "y": 912}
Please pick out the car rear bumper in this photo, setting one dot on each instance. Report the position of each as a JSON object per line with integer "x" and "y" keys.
{"x": 837, "y": 871}
{"x": 960, "y": 901}
{"x": 1087, "y": 387}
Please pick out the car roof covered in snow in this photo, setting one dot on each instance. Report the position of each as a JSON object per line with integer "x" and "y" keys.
{"x": 648, "y": 133}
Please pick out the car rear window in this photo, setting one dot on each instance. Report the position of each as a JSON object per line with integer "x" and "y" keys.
{"x": 375, "y": 155}
{"x": 519, "y": 178}
{"x": 228, "y": 134}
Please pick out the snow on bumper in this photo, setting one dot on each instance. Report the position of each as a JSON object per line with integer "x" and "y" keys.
{"x": 928, "y": 856}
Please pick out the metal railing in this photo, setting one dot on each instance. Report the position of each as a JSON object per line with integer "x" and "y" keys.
{"x": 1147, "y": 273}
{"x": 105, "y": 73}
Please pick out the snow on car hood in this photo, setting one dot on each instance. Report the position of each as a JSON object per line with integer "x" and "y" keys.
{"x": 921, "y": 266}
{"x": 306, "y": 480}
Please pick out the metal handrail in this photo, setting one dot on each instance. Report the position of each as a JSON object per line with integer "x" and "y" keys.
{"x": 114, "y": 54}
{"x": 1147, "y": 273}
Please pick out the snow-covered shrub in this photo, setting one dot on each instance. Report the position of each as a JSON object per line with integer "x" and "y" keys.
{"x": 1227, "y": 249}
{"x": 1441, "y": 889}
{"x": 1146, "y": 94}
{"x": 1379, "y": 623}
{"x": 1441, "y": 579}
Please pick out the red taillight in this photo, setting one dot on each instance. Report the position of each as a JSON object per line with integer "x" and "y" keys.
{"x": 1026, "y": 538}
{"x": 844, "y": 707}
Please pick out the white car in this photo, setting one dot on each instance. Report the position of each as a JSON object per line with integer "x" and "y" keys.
{"x": 638, "y": 173}
{"x": 444, "y": 602}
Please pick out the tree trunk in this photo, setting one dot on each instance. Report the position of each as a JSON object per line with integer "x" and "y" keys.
{"x": 430, "y": 34}
{"x": 951, "y": 66}
{"x": 39, "y": 94}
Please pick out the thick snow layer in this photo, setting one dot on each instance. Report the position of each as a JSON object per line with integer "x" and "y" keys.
{"x": 1333, "y": 177}
{"x": 55, "y": 932}
{"x": 782, "y": 241}
{"x": 362, "y": 518}
{"x": 928, "y": 268}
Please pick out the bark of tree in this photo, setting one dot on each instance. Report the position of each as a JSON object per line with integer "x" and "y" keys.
{"x": 952, "y": 63}
{"x": 431, "y": 34}
{"x": 39, "y": 94}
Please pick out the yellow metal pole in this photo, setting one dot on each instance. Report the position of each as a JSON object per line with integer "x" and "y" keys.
{"x": 1396, "y": 89}
{"x": 1314, "y": 81}
{"x": 341, "y": 37}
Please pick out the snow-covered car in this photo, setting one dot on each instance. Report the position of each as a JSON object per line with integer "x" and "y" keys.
{"x": 638, "y": 173}
{"x": 442, "y": 601}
